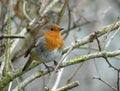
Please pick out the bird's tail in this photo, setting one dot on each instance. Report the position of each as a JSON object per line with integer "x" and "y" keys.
{"x": 27, "y": 64}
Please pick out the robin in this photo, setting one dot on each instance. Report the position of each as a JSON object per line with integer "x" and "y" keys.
{"x": 47, "y": 46}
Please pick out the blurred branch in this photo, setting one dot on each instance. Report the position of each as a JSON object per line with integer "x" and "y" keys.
{"x": 60, "y": 14}
{"x": 110, "y": 29}
{"x": 3, "y": 13}
{"x": 73, "y": 74}
{"x": 43, "y": 6}
{"x": 69, "y": 20}
{"x": 10, "y": 86}
{"x": 11, "y": 36}
{"x": 8, "y": 43}
{"x": 63, "y": 59}
{"x": 100, "y": 79}
{"x": 2, "y": 64}
{"x": 26, "y": 81}
{"x": 116, "y": 2}
{"x": 77, "y": 26}
{"x": 111, "y": 38}
{"x": 48, "y": 7}
{"x": 10, "y": 77}
{"x": 24, "y": 11}
{"x": 5, "y": 80}
{"x": 69, "y": 15}
{"x": 18, "y": 11}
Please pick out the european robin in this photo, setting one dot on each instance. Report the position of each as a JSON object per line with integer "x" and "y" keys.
{"x": 47, "y": 46}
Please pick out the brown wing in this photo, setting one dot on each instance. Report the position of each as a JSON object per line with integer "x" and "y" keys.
{"x": 33, "y": 45}
{"x": 28, "y": 50}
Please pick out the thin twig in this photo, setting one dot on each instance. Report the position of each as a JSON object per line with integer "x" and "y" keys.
{"x": 58, "y": 79}
{"x": 48, "y": 7}
{"x": 64, "y": 56}
{"x": 69, "y": 21}
{"x": 77, "y": 26}
{"x": 22, "y": 33}
{"x": 118, "y": 80}
{"x": 98, "y": 42}
{"x": 43, "y": 6}
{"x": 25, "y": 82}
{"x": 60, "y": 14}
{"x": 111, "y": 38}
{"x": 105, "y": 82}
{"x": 17, "y": 79}
{"x": 110, "y": 29}
{"x": 10, "y": 85}
{"x": 2, "y": 67}
{"x": 24, "y": 11}
{"x": 110, "y": 65}
{"x": 74, "y": 73}
{"x": 105, "y": 56}
{"x": 10, "y": 37}
{"x": 58, "y": 65}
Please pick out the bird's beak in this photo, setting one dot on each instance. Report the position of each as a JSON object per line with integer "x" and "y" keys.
{"x": 61, "y": 29}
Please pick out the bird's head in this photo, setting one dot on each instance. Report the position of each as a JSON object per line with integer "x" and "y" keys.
{"x": 53, "y": 37}
{"x": 52, "y": 28}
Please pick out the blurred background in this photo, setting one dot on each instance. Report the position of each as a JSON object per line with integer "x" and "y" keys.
{"x": 80, "y": 18}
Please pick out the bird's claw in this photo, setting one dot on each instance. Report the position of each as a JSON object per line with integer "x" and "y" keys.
{"x": 49, "y": 68}
{"x": 55, "y": 63}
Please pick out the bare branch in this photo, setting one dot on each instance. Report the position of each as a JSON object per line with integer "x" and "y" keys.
{"x": 91, "y": 37}
{"x": 40, "y": 73}
{"x": 10, "y": 36}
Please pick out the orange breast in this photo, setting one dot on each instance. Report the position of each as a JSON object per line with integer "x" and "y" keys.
{"x": 53, "y": 41}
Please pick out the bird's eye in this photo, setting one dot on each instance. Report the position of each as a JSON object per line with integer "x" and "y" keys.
{"x": 51, "y": 29}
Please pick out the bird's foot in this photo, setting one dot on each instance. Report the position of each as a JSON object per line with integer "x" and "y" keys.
{"x": 49, "y": 68}
{"x": 55, "y": 63}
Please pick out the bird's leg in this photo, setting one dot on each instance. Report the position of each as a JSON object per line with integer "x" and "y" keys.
{"x": 55, "y": 63}
{"x": 48, "y": 67}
